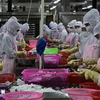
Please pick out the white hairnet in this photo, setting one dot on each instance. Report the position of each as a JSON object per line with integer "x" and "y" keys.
{"x": 46, "y": 29}
{"x": 91, "y": 17}
{"x": 25, "y": 27}
{"x": 53, "y": 25}
{"x": 50, "y": 23}
{"x": 83, "y": 26}
{"x": 72, "y": 23}
{"x": 60, "y": 26}
{"x": 97, "y": 29}
{"x": 78, "y": 23}
{"x": 14, "y": 18}
{"x": 13, "y": 27}
{"x": 4, "y": 27}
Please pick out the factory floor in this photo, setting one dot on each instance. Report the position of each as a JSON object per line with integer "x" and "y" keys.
{"x": 20, "y": 68}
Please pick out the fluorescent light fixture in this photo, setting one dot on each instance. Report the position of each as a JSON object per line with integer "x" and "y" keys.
{"x": 12, "y": 6}
{"x": 84, "y": 8}
{"x": 55, "y": 2}
{"x": 74, "y": 11}
{"x": 53, "y": 7}
{"x": 90, "y": 6}
{"x": 47, "y": 5}
{"x": 47, "y": 11}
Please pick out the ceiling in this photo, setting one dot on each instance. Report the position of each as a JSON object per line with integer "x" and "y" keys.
{"x": 33, "y": 1}
{"x": 53, "y": 0}
{"x": 72, "y": 2}
{"x": 65, "y": 4}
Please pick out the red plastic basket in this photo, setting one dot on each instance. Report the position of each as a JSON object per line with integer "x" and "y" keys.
{"x": 64, "y": 54}
{"x": 28, "y": 48}
{"x": 79, "y": 93}
{"x": 63, "y": 61}
{"x": 46, "y": 77}
{"x": 26, "y": 95}
{"x": 6, "y": 77}
{"x": 75, "y": 78}
{"x": 27, "y": 36}
{"x": 90, "y": 85}
{"x": 95, "y": 95}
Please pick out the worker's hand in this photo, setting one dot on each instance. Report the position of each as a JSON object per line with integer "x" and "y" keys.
{"x": 66, "y": 50}
{"x": 21, "y": 53}
{"x": 78, "y": 44}
{"x": 76, "y": 62}
{"x": 88, "y": 74}
{"x": 74, "y": 50}
{"x": 94, "y": 67}
{"x": 55, "y": 41}
{"x": 82, "y": 71}
{"x": 71, "y": 57}
{"x": 27, "y": 45}
{"x": 1, "y": 65}
{"x": 22, "y": 44}
{"x": 50, "y": 40}
{"x": 64, "y": 46}
{"x": 90, "y": 61}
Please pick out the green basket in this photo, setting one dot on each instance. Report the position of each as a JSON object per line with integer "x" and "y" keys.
{"x": 51, "y": 51}
{"x": 29, "y": 39}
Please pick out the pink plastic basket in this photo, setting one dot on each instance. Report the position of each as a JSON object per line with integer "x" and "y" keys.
{"x": 79, "y": 93}
{"x": 51, "y": 59}
{"x": 33, "y": 43}
{"x": 23, "y": 96}
{"x": 46, "y": 77}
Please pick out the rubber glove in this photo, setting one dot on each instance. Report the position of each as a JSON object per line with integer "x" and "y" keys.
{"x": 81, "y": 71}
{"x": 27, "y": 45}
{"x": 65, "y": 50}
{"x": 21, "y": 44}
{"x": 55, "y": 41}
{"x": 64, "y": 46}
{"x": 92, "y": 75}
{"x": 78, "y": 44}
{"x": 73, "y": 50}
{"x": 76, "y": 62}
{"x": 50, "y": 40}
{"x": 1, "y": 65}
{"x": 90, "y": 61}
{"x": 21, "y": 53}
{"x": 94, "y": 67}
{"x": 71, "y": 57}
{"x": 88, "y": 74}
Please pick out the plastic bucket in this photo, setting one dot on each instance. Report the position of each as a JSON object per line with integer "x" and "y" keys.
{"x": 79, "y": 93}
{"x": 23, "y": 96}
{"x": 90, "y": 85}
{"x": 95, "y": 95}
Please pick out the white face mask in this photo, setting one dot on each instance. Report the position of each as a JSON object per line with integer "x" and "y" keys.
{"x": 54, "y": 30}
{"x": 78, "y": 30}
{"x": 59, "y": 30}
{"x": 15, "y": 33}
{"x": 71, "y": 30}
{"x": 89, "y": 29}
{"x": 68, "y": 29}
{"x": 84, "y": 34}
